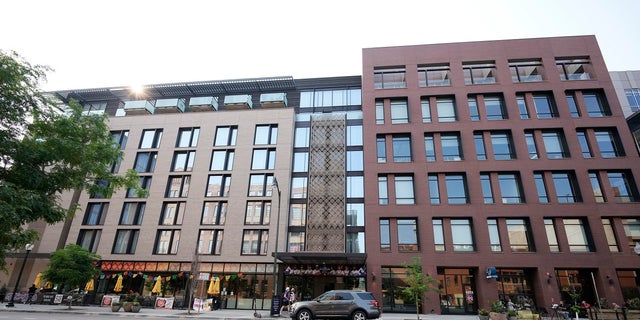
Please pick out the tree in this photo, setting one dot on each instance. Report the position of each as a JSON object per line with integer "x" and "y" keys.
{"x": 71, "y": 267}
{"x": 418, "y": 283}
{"x": 44, "y": 152}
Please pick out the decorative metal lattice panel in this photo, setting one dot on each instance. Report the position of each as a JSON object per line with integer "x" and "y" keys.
{"x": 326, "y": 184}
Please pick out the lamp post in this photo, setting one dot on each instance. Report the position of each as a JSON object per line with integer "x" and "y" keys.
{"x": 275, "y": 307}
{"x": 27, "y": 247}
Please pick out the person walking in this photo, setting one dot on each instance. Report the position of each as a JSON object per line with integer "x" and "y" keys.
{"x": 32, "y": 292}
{"x": 285, "y": 300}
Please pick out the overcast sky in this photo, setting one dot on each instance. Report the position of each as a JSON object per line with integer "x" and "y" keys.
{"x": 99, "y": 43}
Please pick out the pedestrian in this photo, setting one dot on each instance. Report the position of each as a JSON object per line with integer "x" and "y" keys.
{"x": 285, "y": 300}
{"x": 32, "y": 292}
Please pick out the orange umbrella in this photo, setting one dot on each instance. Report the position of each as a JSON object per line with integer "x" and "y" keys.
{"x": 157, "y": 288}
{"x": 118, "y": 286}
{"x": 38, "y": 280}
{"x": 89, "y": 286}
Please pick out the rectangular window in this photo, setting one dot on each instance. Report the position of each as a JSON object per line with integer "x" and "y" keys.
{"x": 408, "y": 235}
{"x": 446, "y": 109}
{"x": 609, "y": 143}
{"x": 573, "y": 107}
{"x": 402, "y": 148}
{"x": 552, "y": 238}
{"x": 434, "y": 75}
{"x": 576, "y": 235}
{"x": 379, "y": 112}
{"x": 302, "y": 137}
{"x": 89, "y": 239}
{"x": 584, "y": 144}
{"x": 632, "y": 231}
{"x": 120, "y": 140}
{"x": 222, "y": 160}
{"x": 354, "y": 135}
{"x": 541, "y": 187}
{"x": 263, "y": 159}
{"x": 389, "y": 77}
{"x": 519, "y": 234}
{"x": 210, "y": 242}
{"x": 167, "y": 242}
{"x": 487, "y": 191}
{"x": 266, "y": 134}
{"x": 623, "y": 186}
{"x": 299, "y": 188}
{"x": 218, "y": 185}
{"x": 462, "y": 235}
{"x": 150, "y": 139}
{"x": 555, "y": 145}
{"x": 132, "y": 213}
{"x": 502, "y": 146}
{"x": 494, "y": 235}
{"x": 404, "y": 190}
{"x": 95, "y": 214}
{"x": 429, "y": 147}
{"x": 495, "y": 108}
{"x": 298, "y": 215}
{"x": 566, "y": 187}
{"x": 434, "y": 192}
{"x": 214, "y": 213}
{"x": 596, "y": 105}
{"x": 385, "y": 236}
{"x": 296, "y": 241}
{"x": 510, "y": 188}
{"x": 257, "y": 213}
{"x": 451, "y": 146}
{"x": 178, "y": 187}
{"x": 522, "y": 107}
{"x": 596, "y": 187}
{"x": 183, "y": 161}
{"x": 456, "y": 189}
{"x": 381, "y": 148}
{"x": 545, "y": 106}
{"x": 399, "y": 111}
{"x": 144, "y": 182}
{"x": 612, "y": 241}
{"x": 425, "y": 106}
{"x": 531, "y": 145}
{"x": 438, "y": 235}
{"x": 355, "y": 242}
{"x": 573, "y": 68}
{"x": 260, "y": 185}
{"x": 473, "y": 108}
{"x": 383, "y": 192}
{"x": 481, "y": 152}
{"x": 145, "y": 161}
{"x": 633, "y": 97}
{"x": 526, "y": 70}
{"x": 172, "y": 213}
{"x": 355, "y": 214}
{"x": 188, "y": 137}
{"x": 254, "y": 242}
{"x": 226, "y": 136}
{"x": 355, "y": 187}
{"x": 125, "y": 241}
{"x": 479, "y": 72}
{"x": 301, "y": 162}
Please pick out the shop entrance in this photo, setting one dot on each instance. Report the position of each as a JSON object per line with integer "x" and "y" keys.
{"x": 457, "y": 291}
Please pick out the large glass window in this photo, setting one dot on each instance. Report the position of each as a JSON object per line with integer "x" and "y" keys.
{"x": 584, "y": 144}
{"x": 385, "y": 236}
{"x": 479, "y": 72}
{"x": 541, "y": 187}
{"x": 545, "y": 106}
{"x": 438, "y": 234}
{"x": 632, "y": 231}
{"x": 552, "y": 238}
{"x": 633, "y": 97}
{"x": 433, "y": 75}
{"x": 462, "y": 235}
{"x": 132, "y": 213}
{"x": 301, "y": 162}
{"x": 214, "y": 213}
{"x": 481, "y": 152}
{"x": 612, "y": 240}
{"x": 354, "y": 135}
{"x": 298, "y": 215}
{"x": 222, "y": 160}
{"x": 425, "y": 107}
{"x": 330, "y": 98}
{"x": 266, "y": 134}
{"x": 151, "y": 139}
{"x": 487, "y": 191}
{"x": 456, "y": 189}
{"x": 210, "y": 242}
{"x": 178, "y": 187}
{"x": 381, "y": 148}
{"x": 188, "y": 137}
{"x": 144, "y": 182}
{"x": 566, "y": 187}
{"x": 402, "y": 148}
{"x": 555, "y": 145}
{"x": 609, "y": 143}
{"x": 257, "y": 213}
{"x": 451, "y": 147}
{"x": 473, "y": 108}
{"x": 125, "y": 241}
{"x": 576, "y": 235}
{"x": 167, "y": 242}
{"x": 522, "y": 107}
{"x": 120, "y": 139}
{"x": 531, "y": 145}
{"x": 495, "y": 108}
{"x": 399, "y": 111}
{"x": 302, "y": 137}
{"x": 446, "y": 109}
{"x": 89, "y": 239}
{"x": 596, "y": 106}
{"x": 408, "y": 235}
{"x": 434, "y": 192}
{"x": 623, "y": 186}
{"x": 263, "y": 159}
{"x": 502, "y": 146}
{"x": 260, "y": 185}
{"x": 296, "y": 241}
{"x": 519, "y": 234}
{"x": 254, "y": 242}
{"x": 299, "y": 187}
{"x": 226, "y": 136}
{"x": 383, "y": 192}
{"x": 404, "y": 190}
{"x": 145, "y": 161}
{"x": 183, "y": 161}
{"x": 355, "y": 187}
{"x": 379, "y": 112}
{"x": 596, "y": 187}
{"x": 494, "y": 235}
{"x": 95, "y": 214}
{"x": 573, "y": 68}
{"x": 355, "y": 214}
{"x": 354, "y": 242}
{"x": 429, "y": 147}
{"x": 218, "y": 185}
{"x": 526, "y": 70}
{"x": 573, "y": 107}
{"x": 510, "y": 188}
{"x": 172, "y": 213}
{"x": 389, "y": 77}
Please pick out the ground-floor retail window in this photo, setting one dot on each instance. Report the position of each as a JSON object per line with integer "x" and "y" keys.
{"x": 629, "y": 283}
{"x": 516, "y": 285}
{"x": 393, "y": 299}
{"x": 457, "y": 291}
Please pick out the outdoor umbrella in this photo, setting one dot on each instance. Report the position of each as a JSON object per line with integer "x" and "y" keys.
{"x": 89, "y": 285}
{"x": 157, "y": 288}
{"x": 214, "y": 286}
{"x": 48, "y": 285}
{"x": 118, "y": 286}
{"x": 38, "y": 280}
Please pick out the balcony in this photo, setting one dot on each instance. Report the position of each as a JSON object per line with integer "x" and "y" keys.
{"x": 203, "y": 104}
{"x": 137, "y": 107}
{"x": 170, "y": 105}
{"x": 273, "y": 100}
{"x": 242, "y": 101}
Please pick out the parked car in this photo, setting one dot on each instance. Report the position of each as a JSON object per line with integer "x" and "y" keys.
{"x": 349, "y": 304}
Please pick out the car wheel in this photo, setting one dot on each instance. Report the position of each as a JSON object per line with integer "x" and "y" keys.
{"x": 304, "y": 314}
{"x": 359, "y": 315}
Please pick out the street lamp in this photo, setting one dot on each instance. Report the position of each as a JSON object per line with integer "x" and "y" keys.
{"x": 27, "y": 247}
{"x": 275, "y": 309}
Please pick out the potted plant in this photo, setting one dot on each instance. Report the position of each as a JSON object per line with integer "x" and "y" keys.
{"x": 115, "y": 306}
{"x": 512, "y": 315}
{"x": 135, "y": 306}
{"x": 497, "y": 310}
{"x": 483, "y": 314}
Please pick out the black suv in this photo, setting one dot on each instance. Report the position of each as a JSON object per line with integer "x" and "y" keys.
{"x": 350, "y": 304}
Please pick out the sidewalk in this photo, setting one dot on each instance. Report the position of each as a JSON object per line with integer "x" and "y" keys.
{"x": 218, "y": 314}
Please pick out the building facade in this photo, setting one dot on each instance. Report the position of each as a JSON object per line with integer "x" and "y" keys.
{"x": 506, "y": 166}
{"x": 627, "y": 86}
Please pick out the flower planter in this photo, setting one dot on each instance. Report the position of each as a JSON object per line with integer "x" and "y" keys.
{"x": 115, "y": 308}
{"x": 127, "y": 306}
{"x": 136, "y": 308}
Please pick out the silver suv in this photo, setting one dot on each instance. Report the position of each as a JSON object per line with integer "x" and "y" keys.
{"x": 350, "y": 304}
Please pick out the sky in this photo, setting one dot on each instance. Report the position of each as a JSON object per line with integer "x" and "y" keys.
{"x": 99, "y": 43}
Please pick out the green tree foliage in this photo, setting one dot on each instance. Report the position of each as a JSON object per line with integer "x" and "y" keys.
{"x": 418, "y": 283}
{"x": 71, "y": 267}
{"x": 44, "y": 152}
